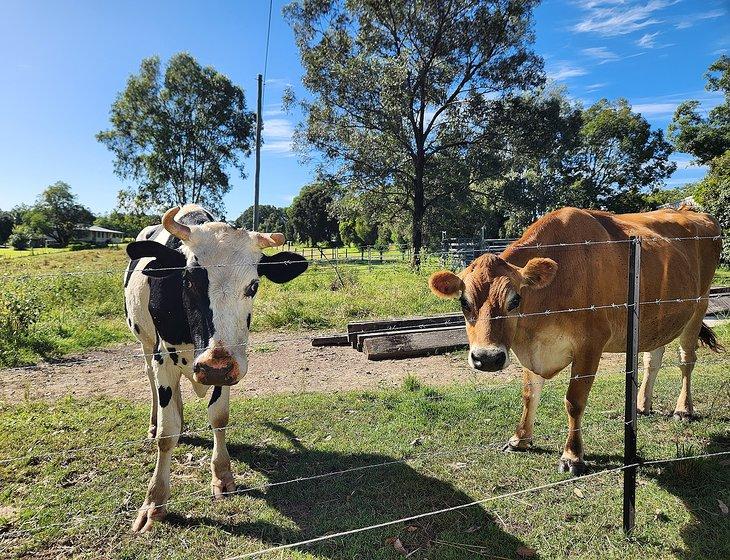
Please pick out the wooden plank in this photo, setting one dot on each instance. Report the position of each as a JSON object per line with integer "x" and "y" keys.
{"x": 413, "y": 344}
{"x": 719, "y": 290}
{"x": 362, "y": 337}
{"x": 718, "y": 304}
{"x": 339, "y": 339}
{"x": 403, "y": 323}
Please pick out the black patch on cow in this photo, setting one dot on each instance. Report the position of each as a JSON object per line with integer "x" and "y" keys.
{"x": 282, "y": 267}
{"x": 252, "y": 288}
{"x": 173, "y": 354}
{"x": 248, "y": 321}
{"x": 164, "y": 258}
{"x": 196, "y": 218}
{"x": 157, "y": 355}
{"x": 136, "y": 328}
{"x": 184, "y": 362}
{"x": 130, "y": 269}
{"x": 153, "y": 232}
{"x": 215, "y": 395}
{"x": 165, "y": 394}
{"x": 196, "y": 305}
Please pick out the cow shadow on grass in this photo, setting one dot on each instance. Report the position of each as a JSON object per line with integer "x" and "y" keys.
{"x": 699, "y": 484}
{"x": 364, "y": 496}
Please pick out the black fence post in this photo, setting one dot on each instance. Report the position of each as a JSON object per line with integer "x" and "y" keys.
{"x": 632, "y": 365}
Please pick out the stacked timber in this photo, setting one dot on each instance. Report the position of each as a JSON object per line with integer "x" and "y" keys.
{"x": 411, "y": 337}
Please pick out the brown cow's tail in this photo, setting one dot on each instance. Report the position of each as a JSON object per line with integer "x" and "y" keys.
{"x": 708, "y": 338}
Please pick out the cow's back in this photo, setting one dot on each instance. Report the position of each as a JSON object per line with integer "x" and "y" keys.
{"x": 596, "y": 273}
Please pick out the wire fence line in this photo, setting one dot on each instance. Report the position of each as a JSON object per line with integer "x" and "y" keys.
{"x": 203, "y": 494}
{"x": 469, "y": 504}
{"x": 425, "y": 254}
{"x": 479, "y": 390}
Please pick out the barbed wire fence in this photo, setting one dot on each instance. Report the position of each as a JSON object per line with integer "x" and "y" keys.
{"x": 630, "y": 421}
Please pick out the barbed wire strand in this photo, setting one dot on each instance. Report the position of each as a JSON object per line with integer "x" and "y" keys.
{"x": 467, "y": 505}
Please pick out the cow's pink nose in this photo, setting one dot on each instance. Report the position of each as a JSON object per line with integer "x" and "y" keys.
{"x": 216, "y": 366}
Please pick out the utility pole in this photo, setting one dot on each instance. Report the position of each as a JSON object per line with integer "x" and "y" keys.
{"x": 259, "y": 79}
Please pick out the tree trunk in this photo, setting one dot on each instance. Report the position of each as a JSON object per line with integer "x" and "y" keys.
{"x": 417, "y": 223}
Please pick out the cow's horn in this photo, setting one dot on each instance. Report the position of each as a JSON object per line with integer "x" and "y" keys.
{"x": 175, "y": 228}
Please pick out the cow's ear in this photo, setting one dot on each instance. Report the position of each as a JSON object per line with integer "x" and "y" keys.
{"x": 538, "y": 272}
{"x": 445, "y": 284}
{"x": 282, "y": 267}
{"x": 166, "y": 260}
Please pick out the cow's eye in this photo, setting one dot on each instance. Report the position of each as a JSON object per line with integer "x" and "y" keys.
{"x": 466, "y": 309}
{"x": 514, "y": 302}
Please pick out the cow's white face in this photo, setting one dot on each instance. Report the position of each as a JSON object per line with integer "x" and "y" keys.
{"x": 221, "y": 281}
{"x": 214, "y": 281}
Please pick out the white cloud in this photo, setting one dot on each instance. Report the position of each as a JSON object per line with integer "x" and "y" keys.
{"x": 595, "y": 87}
{"x": 655, "y": 109}
{"x": 278, "y": 136}
{"x": 611, "y": 17}
{"x": 601, "y": 53}
{"x": 648, "y": 40}
{"x": 563, "y": 69}
{"x": 691, "y": 19}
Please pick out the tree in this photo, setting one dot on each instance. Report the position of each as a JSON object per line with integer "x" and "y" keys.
{"x": 271, "y": 219}
{"x": 618, "y": 157}
{"x": 400, "y": 90}
{"x": 6, "y": 226}
{"x": 130, "y": 223}
{"x": 57, "y": 213}
{"x": 175, "y": 135}
{"x": 705, "y": 137}
{"x": 311, "y": 214}
{"x": 713, "y": 193}
{"x": 20, "y": 238}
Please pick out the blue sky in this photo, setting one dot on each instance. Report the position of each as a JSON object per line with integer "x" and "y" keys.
{"x": 64, "y": 62}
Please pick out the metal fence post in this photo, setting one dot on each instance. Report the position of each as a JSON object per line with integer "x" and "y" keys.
{"x": 632, "y": 364}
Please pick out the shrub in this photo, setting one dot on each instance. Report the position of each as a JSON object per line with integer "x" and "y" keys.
{"x": 19, "y": 240}
{"x": 81, "y": 246}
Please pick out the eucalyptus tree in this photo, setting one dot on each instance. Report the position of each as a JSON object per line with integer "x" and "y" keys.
{"x": 176, "y": 134}
{"x": 400, "y": 91}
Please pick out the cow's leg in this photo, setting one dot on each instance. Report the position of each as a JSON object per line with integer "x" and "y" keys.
{"x": 582, "y": 373}
{"x": 652, "y": 364}
{"x": 149, "y": 370}
{"x": 687, "y": 358}
{"x": 222, "y": 481}
{"x": 531, "y": 388}
{"x": 167, "y": 379}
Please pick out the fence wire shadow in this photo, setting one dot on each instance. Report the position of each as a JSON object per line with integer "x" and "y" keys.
{"x": 358, "y": 498}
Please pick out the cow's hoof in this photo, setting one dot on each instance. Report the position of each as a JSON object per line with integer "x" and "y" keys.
{"x": 509, "y": 447}
{"x": 575, "y": 468}
{"x": 223, "y": 486}
{"x": 644, "y": 412}
{"x": 147, "y": 515}
{"x": 683, "y": 416}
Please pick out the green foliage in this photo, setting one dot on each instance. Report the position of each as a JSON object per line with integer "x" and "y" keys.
{"x": 713, "y": 193}
{"x": 176, "y": 134}
{"x": 20, "y": 238}
{"x": 130, "y": 223}
{"x": 57, "y": 213}
{"x": 618, "y": 157}
{"x": 402, "y": 97}
{"x": 311, "y": 214}
{"x": 705, "y": 137}
{"x": 6, "y": 226}
{"x": 271, "y": 219}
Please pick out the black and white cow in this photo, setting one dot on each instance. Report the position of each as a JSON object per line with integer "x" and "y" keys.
{"x": 189, "y": 292}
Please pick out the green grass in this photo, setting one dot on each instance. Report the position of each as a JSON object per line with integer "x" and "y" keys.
{"x": 10, "y": 253}
{"x": 722, "y": 277}
{"x": 449, "y": 434}
{"x": 85, "y": 309}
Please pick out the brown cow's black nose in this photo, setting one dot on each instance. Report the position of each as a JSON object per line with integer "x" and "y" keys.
{"x": 488, "y": 359}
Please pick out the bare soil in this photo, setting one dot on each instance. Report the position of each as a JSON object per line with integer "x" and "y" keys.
{"x": 277, "y": 364}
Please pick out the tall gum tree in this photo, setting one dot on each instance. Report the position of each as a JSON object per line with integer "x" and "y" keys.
{"x": 399, "y": 91}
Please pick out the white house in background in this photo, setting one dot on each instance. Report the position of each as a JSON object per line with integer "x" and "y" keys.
{"x": 98, "y": 235}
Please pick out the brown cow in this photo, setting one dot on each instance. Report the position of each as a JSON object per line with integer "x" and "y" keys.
{"x": 493, "y": 290}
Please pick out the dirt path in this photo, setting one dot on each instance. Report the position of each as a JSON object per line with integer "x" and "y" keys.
{"x": 277, "y": 364}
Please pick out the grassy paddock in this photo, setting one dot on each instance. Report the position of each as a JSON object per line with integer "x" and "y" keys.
{"x": 449, "y": 435}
